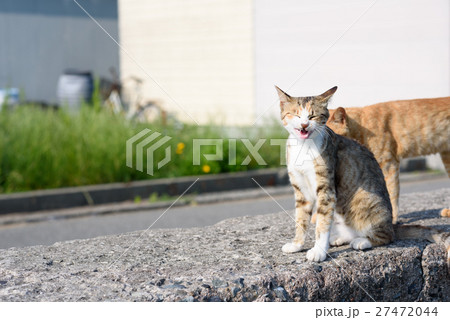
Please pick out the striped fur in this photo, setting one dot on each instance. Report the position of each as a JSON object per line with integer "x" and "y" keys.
{"x": 342, "y": 178}
{"x": 395, "y": 130}
{"x": 427, "y": 233}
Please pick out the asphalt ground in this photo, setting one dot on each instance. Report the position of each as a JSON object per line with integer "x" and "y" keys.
{"x": 47, "y": 232}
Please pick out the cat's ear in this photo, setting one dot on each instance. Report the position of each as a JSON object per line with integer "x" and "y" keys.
{"x": 324, "y": 97}
{"x": 339, "y": 116}
{"x": 284, "y": 97}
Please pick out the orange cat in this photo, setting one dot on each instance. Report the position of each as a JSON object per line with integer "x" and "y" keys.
{"x": 395, "y": 130}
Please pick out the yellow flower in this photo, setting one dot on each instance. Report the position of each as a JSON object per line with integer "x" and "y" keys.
{"x": 206, "y": 168}
{"x": 180, "y": 148}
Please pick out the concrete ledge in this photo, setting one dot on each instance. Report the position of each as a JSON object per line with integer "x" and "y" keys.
{"x": 235, "y": 260}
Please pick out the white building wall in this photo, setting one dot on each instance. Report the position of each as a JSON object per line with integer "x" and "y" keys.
{"x": 199, "y": 51}
{"x": 396, "y": 50}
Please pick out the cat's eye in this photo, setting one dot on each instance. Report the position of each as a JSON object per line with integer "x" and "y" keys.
{"x": 311, "y": 117}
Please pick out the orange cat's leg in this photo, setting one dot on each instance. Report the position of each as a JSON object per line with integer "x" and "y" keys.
{"x": 446, "y": 160}
{"x": 391, "y": 176}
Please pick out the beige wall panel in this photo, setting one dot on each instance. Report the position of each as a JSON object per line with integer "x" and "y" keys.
{"x": 200, "y": 52}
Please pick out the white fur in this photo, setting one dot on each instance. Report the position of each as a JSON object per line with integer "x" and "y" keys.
{"x": 291, "y": 247}
{"x": 304, "y": 116}
{"x": 341, "y": 233}
{"x": 300, "y": 163}
{"x": 296, "y": 123}
{"x": 360, "y": 244}
{"x": 319, "y": 251}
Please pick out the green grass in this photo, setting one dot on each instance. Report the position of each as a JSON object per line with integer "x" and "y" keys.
{"x": 41, "y": 149}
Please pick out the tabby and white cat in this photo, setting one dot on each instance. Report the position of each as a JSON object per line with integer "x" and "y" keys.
{"x": 338, "y": 179}
{"x": 395, "y": 130}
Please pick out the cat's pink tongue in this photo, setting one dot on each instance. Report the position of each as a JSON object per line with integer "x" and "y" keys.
{"x": 303, "y": 134}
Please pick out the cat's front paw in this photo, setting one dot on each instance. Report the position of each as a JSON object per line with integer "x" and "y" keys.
{"x": 337, "y": 241}
{"x": 316, "y": 254}
{"x": 360, "y": 244}
{"x": 291, "y": 247}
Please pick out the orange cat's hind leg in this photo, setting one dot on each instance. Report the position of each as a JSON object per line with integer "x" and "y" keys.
{"x": 446, "y": 160}
{"x": 391, "y": 172}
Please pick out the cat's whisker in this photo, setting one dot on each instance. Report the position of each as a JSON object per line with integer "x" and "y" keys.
{"x": 329, "y": 130}
{"x": 320, "y": 129}
{"x": 323, "y": 132}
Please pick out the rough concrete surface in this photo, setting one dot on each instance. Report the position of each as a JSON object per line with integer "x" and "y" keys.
{"x": 238, "y": 259}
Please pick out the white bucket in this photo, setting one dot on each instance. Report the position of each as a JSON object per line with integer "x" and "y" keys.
{"x": 74, "y": 88}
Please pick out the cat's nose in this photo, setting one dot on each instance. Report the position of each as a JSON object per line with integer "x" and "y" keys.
{"x": 305, "y": 125}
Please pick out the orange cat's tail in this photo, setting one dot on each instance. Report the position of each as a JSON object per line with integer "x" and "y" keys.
{"x": 427, "y": 233}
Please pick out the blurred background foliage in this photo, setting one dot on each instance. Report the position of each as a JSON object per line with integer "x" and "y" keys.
{"x": 42, "y": 148}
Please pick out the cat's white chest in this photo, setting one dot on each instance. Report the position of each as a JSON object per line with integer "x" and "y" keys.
{"x": 300, "y": 163}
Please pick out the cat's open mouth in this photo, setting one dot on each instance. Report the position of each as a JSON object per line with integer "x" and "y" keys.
{"x": 304, "y": 134}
